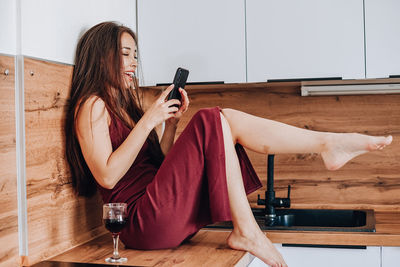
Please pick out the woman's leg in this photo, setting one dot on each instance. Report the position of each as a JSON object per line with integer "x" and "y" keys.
{"x": 272, "y": 137}
{"x": 246, "y": 234}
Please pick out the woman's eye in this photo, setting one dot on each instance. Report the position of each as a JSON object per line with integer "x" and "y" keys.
{"x": 125, "y": 54}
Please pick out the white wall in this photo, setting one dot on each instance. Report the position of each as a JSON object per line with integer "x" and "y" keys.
{"x": 50, "y": 29}
{"x": 8, "y": 27}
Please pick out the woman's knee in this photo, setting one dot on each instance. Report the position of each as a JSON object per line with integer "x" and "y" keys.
{"x": 228, "y": 114}
{"x": 226, "y": 129}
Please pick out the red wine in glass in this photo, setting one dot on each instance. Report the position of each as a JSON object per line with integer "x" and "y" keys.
{"x": 115, "y": 226}
{"x": 114, "y": 217}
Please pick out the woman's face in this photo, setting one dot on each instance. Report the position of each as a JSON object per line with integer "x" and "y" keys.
{"x": 129, "y": 58}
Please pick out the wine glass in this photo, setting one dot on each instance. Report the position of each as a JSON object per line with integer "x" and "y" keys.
{"x": 114, "y": 217}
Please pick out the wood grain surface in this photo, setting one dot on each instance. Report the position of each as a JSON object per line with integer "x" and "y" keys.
{"x": 8, "y": 171}
{"x": 206, "y": 248}
{"x": 369, "y": 181}
{"x": 57, "y": 218}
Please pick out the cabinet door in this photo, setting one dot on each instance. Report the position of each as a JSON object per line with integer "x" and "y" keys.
{"x": 8, "y": 36}
{"x": 206, "y": 37}
{"x": 390, "y": 256}
{"x": 327, "y": 257}
{"x": 304, "y": 39}
{"x": 382, "y": 34}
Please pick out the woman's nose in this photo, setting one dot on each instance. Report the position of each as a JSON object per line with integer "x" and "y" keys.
{"x": 134, "y": 63}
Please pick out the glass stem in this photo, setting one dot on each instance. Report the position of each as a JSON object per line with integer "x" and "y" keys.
{"x": 115, "y": 240}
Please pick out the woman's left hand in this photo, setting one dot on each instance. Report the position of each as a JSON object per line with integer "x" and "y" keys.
{"x": 183, "y": 108}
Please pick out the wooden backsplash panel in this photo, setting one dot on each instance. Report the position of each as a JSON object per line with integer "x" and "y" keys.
{"x": 368, "y": 181}
{"x": 57, "y": 219}
{"x": 8, "y": 172}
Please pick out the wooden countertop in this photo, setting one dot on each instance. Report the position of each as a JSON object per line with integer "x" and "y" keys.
{"x": 205, "y": 248}
{"x": 208, "y": 246}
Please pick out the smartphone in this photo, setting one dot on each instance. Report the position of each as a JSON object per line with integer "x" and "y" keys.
{"x": 180, "y": 79}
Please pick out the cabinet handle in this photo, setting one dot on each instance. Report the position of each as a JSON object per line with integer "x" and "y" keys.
{"x": 193, "y": 83}
{"x": 324, "y": 246}
{"x": 304, "y": 79}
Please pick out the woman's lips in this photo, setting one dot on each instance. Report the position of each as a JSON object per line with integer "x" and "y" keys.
{"x": 130, "y": 74}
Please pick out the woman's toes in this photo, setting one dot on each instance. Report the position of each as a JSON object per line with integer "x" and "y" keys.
{"x": 389, "y": 140}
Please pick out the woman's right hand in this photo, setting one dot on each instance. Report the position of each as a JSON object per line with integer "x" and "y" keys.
{"x": 161, "y": 110}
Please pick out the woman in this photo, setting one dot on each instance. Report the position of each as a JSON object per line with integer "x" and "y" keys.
{"x": 173, "y": 190}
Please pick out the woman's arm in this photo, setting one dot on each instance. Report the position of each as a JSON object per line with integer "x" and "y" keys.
{"x": 168, "y": 136}
{"x": 109, "y": 167}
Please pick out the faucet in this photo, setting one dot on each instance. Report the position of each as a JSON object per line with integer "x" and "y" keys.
{"x": 270, "y": 201}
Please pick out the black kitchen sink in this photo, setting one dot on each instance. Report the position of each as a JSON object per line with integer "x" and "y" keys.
{"x": 313, "y": 220}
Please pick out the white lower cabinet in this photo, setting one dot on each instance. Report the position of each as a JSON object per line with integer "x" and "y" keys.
{"x": 328, "y": 257}
{"x": 390, "y": 256}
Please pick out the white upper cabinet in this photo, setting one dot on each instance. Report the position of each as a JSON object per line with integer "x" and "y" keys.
{"x": 382, "y": 33}
{"x": 8, "y": 44}
{"x": 206, "y": 37}
{"x": 304, "y": 39}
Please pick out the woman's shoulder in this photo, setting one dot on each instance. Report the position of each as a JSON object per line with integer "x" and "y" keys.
{"x": 94, "y": 101}
{"x": 93, "y": 108}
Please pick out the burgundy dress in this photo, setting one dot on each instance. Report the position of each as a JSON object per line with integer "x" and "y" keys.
{"x": 169, "y": 204}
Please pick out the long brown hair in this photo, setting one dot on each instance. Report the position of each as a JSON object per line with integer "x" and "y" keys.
{"x": 97, "y": 72}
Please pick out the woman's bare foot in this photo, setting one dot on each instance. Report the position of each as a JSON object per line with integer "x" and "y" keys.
{"x": 257, "y": 244}
{"x": 340, "y": 148}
